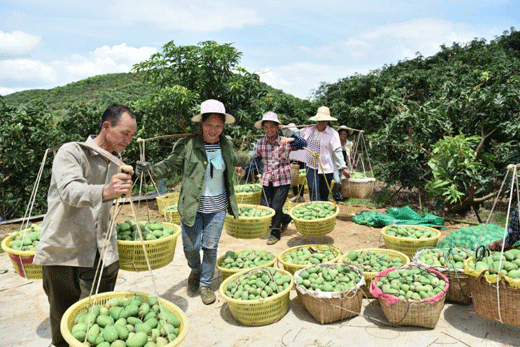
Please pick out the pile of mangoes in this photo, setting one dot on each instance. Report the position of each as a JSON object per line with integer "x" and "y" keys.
{"x": 126, "y": 322}
{"x": 370, "y": 261}
{"x": 246, "y": 259}
{"x": 127, "y": 230}
{"x": 447, "y": 258}
{"x": 510, "y": 263}
{"x": 337, "y": 278}
{"x": 249, "y": 211}
{"x": 248, "y": 188}
{"x": 411, "y": 284}
{"x": 311, "y": 255}
{"x": 173, "y": 207}
{"x": 27, "y": 239}
{"x": 314, "y": 210}
{"x": 357, "y": 175}
{"x": 258, "y": 283}
{"x": 409, "y": 232}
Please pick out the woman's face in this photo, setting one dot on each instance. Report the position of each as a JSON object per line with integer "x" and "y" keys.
{"x": 343, "y": 135}
{"x": 212, "y": 128}
{"x": 321, "y": 125}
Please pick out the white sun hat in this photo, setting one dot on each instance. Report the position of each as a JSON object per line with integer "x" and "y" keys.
{"x": 213, "y": 106}
{"x": 268, "y": 116}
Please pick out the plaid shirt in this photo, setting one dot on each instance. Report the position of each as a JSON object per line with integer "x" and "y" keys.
{"x": 513, "y": 232}
{"x": 277, "y": 168}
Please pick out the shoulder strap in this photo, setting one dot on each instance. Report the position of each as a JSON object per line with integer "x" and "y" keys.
{"x": 105, "y": 154}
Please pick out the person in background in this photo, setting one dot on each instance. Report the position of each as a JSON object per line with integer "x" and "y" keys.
{"x": 325, "y": 148}
{"x": 513, "y": 234}
{"x": 206, "y": 162}
{"x": 83, "y": 186}
{"x": 276, "y": 179}
{"x": 346, "y": 148}
{"x": 298, "y": 158}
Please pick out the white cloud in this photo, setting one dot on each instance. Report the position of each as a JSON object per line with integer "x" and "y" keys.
{"x": 17, "y": 43}
{"x": 192, "y": 16}
{"x": 27, "y": 70}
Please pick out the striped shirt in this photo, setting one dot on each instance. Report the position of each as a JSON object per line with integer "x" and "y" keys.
{"x": 214, "y": 197}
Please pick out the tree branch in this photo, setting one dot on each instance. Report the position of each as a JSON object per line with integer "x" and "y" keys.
{"x": 484, "y": 137}
{"x": 416, "y": 145}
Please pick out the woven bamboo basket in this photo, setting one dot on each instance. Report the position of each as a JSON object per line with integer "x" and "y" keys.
{"x": 22, "y": 261}
{"x": 316, "y": 227}
{"x": 249, "y": 227}
{"x": 496, "y": 299}
{"x": 258, "y": 312}
{"x": 328, "y": 307}
{"x": 225, "y": 273}
{"x": 160, "y": 252}
{"x": 292, "y": 268}
{"x": 82, "y": 306}
{"x": 409, "y": 246}
{"x": 369, "y": 275}
{"x": 295, "y": 174}
{"x": 252, "y": 198}
{"x": 172, "y": 216}
{"x": 411, "y": 312}
{"x": 166, "y": 200}
{"x": 359, "y": 188}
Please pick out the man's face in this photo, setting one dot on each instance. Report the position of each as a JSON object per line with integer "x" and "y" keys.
{"x": 270, "y": 129}
{"x": 321, "y": 125}
{"x": 120, "y": 135}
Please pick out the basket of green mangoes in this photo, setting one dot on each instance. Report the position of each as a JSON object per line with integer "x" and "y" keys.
{"x": 409, "y": 238}
{"x": 249, "y": 193}
{"x": 21, "y": 247}
{"x": 259, "y": 296}
{"x": 248, "y": 258}
{"x": 299, "y": 257}
{"x": 330, "y": 291}
{"x": 411, "y": 295}
{"x": 253, "y": 222}
{"x": 315, "y": 218}
{"x": 171, "y": 214}
{"x": 450, "y": 262}
{"x": 159, "y": 240}
{"x": 124, "y": 319}
{"x": 373, "y": 260}
{"x": 166, "y": 200}
{"x": 358, "y": 185}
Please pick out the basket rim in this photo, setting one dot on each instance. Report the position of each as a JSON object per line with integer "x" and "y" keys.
{"x": 221, "y": 258}
{"x": 294, "y": 248}
{"x": 176, "y": 227}
{"x": 8, "y": 249}
{"x": 438, "y": 268}
{"x": 377, "y": 250}
{"x": 275, "y": 297}
{"x": 260, "y": 207}
{"x": 115, "y": 294}
{"x": 385, "y": 235}
{"x": 168, "y": 195}
{"x": 336, "y": 212}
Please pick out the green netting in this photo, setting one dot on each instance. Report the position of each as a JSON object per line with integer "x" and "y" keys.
{"x": 468, "y": 236}
{"x": 402, "y": 216}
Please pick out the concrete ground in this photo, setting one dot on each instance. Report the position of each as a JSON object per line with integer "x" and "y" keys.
{"x": 24, "y": 308}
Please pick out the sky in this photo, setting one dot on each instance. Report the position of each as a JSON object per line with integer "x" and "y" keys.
{"x": 293, "y": 45}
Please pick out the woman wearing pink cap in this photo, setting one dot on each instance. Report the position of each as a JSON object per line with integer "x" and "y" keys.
{"x": 276, "y": 178}
{"x": 206, "y": 161}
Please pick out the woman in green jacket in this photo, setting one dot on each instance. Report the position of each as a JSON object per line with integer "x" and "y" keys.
{"x": 206, "y": 162}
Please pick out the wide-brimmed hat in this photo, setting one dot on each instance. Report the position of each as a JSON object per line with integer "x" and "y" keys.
{"x": 344, "y": 127}
{"x": 268, "y": 116}
{"x": 323, "y": 115}
{"x": 213, "y": 106}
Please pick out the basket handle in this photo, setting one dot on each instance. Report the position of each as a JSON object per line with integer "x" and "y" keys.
{"x": 482, "y": 277}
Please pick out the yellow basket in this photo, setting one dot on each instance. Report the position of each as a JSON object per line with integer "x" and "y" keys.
{"x": 317, "y": 227}
{"x": 292, "y": 268}
{"x": 225, "y": 273}
{"x": 22, "y": 261}
{"x": 253, "y": 198}
{"x": 258, "y": 312}
{"x": 166, "y": 200}
{"x": 249, "y": 227}
{"x": 409, "y": 246}
{"x": 369, "y": 275}
{"x": 160, "y": 252}
{"x": 82, "y": 306}
{"x": 172, "y": 216}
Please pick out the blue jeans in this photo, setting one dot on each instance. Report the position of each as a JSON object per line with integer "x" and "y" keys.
{"x": 205, "y": 234}
{"x": 318, "y": 189}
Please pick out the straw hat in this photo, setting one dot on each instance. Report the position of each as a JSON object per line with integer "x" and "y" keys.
{"x": 213, "y": 106}
{"x": 323, "y": 115}
{"x": 344, "y": 127}
{"x": 268, "y": 116}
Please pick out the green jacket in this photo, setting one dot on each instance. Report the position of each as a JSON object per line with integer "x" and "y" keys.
{"x": 188, "y": 157}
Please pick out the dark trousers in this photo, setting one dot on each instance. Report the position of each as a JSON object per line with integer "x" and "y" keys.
{"x": 275, "y": 197}
{"x": 318, "y": 189}
{"x": 65, "y": 285}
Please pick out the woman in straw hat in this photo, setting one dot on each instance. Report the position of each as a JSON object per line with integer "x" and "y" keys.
{"x": 276, "y": 178}
{"x": 324, "y": 154}
{"x": 206, "y": 162}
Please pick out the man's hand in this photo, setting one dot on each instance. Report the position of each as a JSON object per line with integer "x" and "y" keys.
{"x": 141, "y": 167}
{"x": 120, "y": 184}
{"x": 346, "y": 173}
